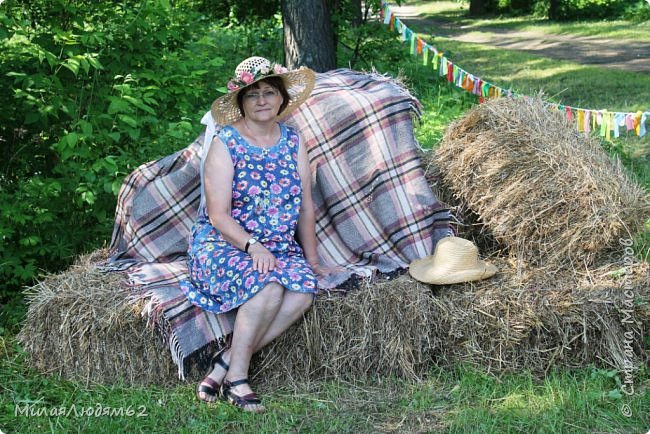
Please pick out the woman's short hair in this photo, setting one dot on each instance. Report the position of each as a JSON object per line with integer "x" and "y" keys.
{"x": 275, "y": 82}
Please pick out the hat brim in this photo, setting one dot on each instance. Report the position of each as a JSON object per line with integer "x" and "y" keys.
{"x": 299, "y": 84}
{"x": 424, "y": 271}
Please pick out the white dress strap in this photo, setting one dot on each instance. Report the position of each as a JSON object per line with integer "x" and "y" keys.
{"x": 211, "y": 130}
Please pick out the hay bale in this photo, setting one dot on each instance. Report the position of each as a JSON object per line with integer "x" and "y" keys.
{"x": 467, "y": 224}
{"x": 80, "y": 326}
{"x": 507, "y": 323}
{"x": 545, "y": 191}
{"x": 537, "y": 320}
{"x": 379, "y": 329}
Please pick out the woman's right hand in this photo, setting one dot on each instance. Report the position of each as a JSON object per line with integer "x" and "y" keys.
{"x": 263, "y": 260}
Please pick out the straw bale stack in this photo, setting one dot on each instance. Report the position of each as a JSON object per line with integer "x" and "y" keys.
{"x": 80, "y": 325}
{"x": 508, "y": 323}
{"x": 546, "y": 192}
{"x": 546, "y": 195}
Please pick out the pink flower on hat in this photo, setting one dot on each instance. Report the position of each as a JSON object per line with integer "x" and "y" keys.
{"x": 247, "y": 77}
{"x": 232, "y": 86}
{"x": 279, "y": 69}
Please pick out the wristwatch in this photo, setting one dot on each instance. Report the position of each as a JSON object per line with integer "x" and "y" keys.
{"x": 249, "y": 243}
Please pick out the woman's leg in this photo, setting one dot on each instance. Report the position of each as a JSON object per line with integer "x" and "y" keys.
{"x": 252, "y": 322}
{"x": 294, "y": 305}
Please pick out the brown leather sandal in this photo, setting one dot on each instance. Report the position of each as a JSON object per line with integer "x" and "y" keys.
{"x": 208, "y": 386}
{"x": 241, "y": 402}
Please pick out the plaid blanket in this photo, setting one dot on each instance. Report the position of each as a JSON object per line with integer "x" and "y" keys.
{"x": 374, "y": 209}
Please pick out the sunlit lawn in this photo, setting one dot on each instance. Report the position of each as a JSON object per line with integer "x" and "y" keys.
{"x": 456, "y": 12}
{"x": 572, "y": 84}
{"x": 452, "y": 400}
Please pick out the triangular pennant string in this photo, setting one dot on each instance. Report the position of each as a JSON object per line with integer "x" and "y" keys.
{"x": 586, "y": 120}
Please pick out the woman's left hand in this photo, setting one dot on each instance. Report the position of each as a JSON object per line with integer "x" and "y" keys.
{"x": 324, "y": 270}
{"x": 263, "y": 260}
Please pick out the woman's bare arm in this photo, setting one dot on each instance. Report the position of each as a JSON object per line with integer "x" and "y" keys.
{"x": 307, "y": 218}
{"x": 218, "y": 173}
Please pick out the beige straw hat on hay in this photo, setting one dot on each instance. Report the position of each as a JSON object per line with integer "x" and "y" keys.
{"x": 299, "y": 84}
{"x": 455, "y": 260}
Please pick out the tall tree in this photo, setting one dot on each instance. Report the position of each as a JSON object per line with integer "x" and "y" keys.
{"x": 554, "y": 10}
{"x": 482, "y": 7}
{"x": 308, "y": 35}
{"x": 476, "y": 7}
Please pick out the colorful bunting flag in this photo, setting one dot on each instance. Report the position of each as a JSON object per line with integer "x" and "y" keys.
{"x": 586, "y": 120}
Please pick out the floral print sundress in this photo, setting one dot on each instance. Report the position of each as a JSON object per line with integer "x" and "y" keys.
{"x": 266, "y": 201}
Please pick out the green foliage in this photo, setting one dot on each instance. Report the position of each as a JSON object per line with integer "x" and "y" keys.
{"x": 637, "y": 12}
{"x": 95, "y": 89}
{"x": 594, "y": 9}
{"x": 251, "y": 11}
{"x": 573, "y": 9}
{"x": 359, "y": 35}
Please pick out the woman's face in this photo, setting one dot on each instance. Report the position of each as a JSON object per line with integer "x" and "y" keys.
{"x": 262, "y": 103}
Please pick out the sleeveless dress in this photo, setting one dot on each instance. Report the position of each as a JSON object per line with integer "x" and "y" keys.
{"x": 266, "y": 200}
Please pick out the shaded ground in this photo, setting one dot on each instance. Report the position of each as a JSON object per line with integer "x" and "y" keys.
{"x": 587, "y": 50}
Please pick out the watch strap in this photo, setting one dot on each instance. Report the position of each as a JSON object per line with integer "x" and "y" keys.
{"x": 249, "y": 243}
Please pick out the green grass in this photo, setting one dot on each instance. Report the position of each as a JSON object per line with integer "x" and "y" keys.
{"x": 456, "y": 13}
{"x": 564, "y": 82}
{"x": 459, "y": 400}
{"x": 567, "y": 83}
{"x": 561, "y": 82}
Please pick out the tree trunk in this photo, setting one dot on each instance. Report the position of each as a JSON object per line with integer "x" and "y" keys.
{"x": 308, "y": 35}
{"x": 357, "y": 16}
{"x": 476, "y": 8}
{"x": 554, "y": 10}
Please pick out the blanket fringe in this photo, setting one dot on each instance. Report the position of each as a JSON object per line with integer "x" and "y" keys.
{"x": 177, "y": 354}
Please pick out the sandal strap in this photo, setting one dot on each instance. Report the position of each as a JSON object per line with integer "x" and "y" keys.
{"x": 229, "y": 384}
{"x": 210, "y": 383}
{"x": 242, "y": 401}
{"x": 217, "y": 359}
{"x": 210, "y": 388}
{"x": 251, "y": 398}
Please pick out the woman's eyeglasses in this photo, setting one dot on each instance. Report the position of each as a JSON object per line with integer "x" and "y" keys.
{"x": 267, "y": 94}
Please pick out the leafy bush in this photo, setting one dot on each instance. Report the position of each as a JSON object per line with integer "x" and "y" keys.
{"x": 574, "y": 9}
{"x": 240, "y": 10}
{"x": 593, "y": 9}
{"x": 637, "y": 11}
{"x": 96, "y": 89}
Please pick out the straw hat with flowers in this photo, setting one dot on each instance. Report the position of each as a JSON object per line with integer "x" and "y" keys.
{"x": 299, "y": 84}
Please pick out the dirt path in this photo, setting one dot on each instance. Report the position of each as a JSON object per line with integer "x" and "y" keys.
{"x": 586, "y": 50}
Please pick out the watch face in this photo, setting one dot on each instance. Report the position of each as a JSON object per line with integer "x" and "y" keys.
{"x": 252, "y": 241}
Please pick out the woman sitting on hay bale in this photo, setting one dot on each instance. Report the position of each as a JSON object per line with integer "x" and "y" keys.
{"x": 375, "y": 213}
{"x": 243, "y": 253}
{"x": 256, "y": 199}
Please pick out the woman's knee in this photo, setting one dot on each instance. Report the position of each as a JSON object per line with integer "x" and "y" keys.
{"x": 304, "y": 301}
{"x": 274, "y": 293}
